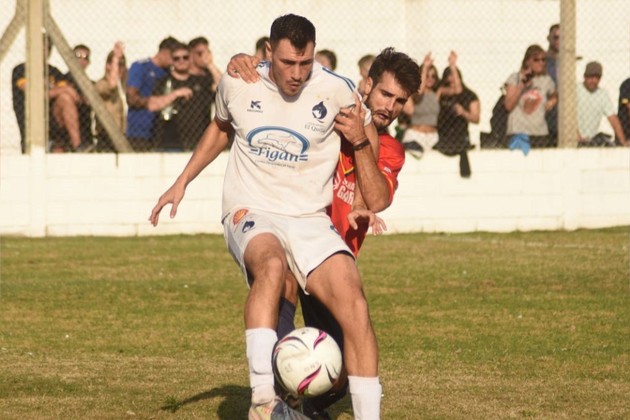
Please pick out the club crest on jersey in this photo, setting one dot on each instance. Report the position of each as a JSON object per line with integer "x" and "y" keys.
{"x": 238, "y": 215}
{"x": 255, "y": 106}
{"x": 278, "y": 145}
{"x": 320, "y": 111}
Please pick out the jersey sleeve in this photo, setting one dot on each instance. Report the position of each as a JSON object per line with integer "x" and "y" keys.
{"x": 221, "y": 103}
{"x": 390, "y": 161}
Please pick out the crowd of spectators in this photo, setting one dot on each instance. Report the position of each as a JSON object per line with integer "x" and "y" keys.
{"x": 164, "y": 102}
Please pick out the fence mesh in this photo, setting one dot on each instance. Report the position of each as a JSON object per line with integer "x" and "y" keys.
{"x": 158, "y": 105}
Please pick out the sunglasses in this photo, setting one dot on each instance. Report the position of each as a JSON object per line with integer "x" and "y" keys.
{"x": 539, "y": 60}
{"x": 181, "y": 57}
{"x": 82, "y": 55}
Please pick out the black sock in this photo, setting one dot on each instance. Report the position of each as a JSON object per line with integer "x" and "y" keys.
{"x": 322, "y": 402}
{"x": 286, "y": 314}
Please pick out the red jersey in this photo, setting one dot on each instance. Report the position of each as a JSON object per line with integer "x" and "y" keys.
{"x": 390, "y": 161}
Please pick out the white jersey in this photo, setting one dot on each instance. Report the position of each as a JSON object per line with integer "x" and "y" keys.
{"x": 285, "y": 151}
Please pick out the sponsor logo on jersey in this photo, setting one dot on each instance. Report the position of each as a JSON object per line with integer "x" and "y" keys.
{"x": 238, "y": 215}
{"x": 278, "y": 145}
{"x": 319, "y": 111}
{"x": 255, "y": 106}
{"x": 249, "y": 225}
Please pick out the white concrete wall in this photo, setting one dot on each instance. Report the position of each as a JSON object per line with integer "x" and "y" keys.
{"x": 61, "y": 195}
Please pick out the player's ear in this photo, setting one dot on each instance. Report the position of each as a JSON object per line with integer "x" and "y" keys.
{"x": 369, "y": 84}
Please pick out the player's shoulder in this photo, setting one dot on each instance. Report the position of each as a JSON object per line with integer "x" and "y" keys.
{"x": 332, "y": 78}
{"x": 389, "y": 144}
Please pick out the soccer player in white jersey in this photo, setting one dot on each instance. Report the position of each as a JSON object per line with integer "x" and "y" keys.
{"x": 276, "y": 187}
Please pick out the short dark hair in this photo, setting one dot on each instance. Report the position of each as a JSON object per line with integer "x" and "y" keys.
{"x": 554, "y": 27}
{"x": 200, "y": 40}
{"x": 404, "y": 69}
{"x": 331, "y": 56}
{"x": 297, "y": 29}
{"x": 82, "y": 47}
{"x": 179, "y": 46}
{"x": 168, "y": 43}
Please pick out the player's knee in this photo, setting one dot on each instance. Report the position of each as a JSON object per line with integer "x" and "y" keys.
{"x": 272, "y": 269}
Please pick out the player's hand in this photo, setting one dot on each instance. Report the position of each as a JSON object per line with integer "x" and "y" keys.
{"x": 349, "y": 122}
{"x": 379, "y": 226}
{"x": 243, "y": 66}
{"x": 173, "y": 196}
{"x": 360, "y": 215}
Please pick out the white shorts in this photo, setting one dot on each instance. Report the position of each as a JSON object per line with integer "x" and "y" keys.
{"x": 307, "y": 240}
{"x": 426, "y": 140}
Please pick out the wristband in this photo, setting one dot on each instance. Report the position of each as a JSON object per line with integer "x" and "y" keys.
{"x": 361, "y": 145}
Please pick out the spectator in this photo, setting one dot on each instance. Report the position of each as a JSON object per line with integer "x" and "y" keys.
{"x": 456, "y": 111}
{"x": 110, "y": 88}
{"x": 64, "y": 118}
{"x": 184, "y": 106}
{"x": 364, "y": 63}
{"x": 623, "y": 111}
{"x": 143, "y": 75}
{"x": 262, "y": 52}
{"x": 530, "y": 92}
{"x": 326, "y": 58}
{"x": 551, "y": 57}
{"x": 423, "y": 108}
{"x": 593, "y": 103}
{"x": 82, "y": 54}
{"x": 551, "y": 66}
{"x": 202, "y": 61}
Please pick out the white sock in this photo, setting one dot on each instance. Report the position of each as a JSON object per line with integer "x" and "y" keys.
{"x": 366, "y": 397}
{"x": 259, "y": 343}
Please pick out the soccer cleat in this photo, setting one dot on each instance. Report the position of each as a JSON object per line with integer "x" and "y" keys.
{"x": 275, "y": 409}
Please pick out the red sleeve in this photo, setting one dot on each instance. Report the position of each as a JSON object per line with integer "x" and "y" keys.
{"x": 391, "y": 159}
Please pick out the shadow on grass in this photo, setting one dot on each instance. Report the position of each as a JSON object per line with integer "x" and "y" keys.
{"x": 235, "y": 401}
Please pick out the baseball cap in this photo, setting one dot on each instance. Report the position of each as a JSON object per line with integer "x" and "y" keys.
{"x": 593, "y": 69}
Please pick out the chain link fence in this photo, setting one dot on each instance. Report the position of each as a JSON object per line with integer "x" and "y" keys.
{"x": 116, "y": 43}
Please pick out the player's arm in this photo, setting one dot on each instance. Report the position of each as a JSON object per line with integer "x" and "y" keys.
{"x": 360, "y": 211}
{"x": 213, "y": 142}
{"x": 364, "y": 140}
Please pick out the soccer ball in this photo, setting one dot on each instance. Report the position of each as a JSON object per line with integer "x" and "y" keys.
{"x": 306, "y": 362}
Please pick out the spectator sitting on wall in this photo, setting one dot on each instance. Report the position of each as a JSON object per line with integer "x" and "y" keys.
{"x": 143, "y": 75}
{"x": 623, "y": 111}
{"x": 530, "y": 92}
{"x": 593, "y": 103}
{"x": 63, "y": 99}
{"x": 456, "y": 112}
{"x": 202, "y": 61}
{"x": 110, "y": 88}
{"x": 82, "y": 54}
{"x": 423, "y": 107}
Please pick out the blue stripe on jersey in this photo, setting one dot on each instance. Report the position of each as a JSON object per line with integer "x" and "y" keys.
{"x": 349, "y": 82}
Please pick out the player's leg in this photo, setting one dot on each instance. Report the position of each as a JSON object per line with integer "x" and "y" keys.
{"x": 288, "y": 304}
{"x": 318, "y": 316}
{"x": 261, "y": 255}
{"x": 336, "y": 283}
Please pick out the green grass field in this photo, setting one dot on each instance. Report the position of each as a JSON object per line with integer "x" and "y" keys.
{"x": 470, "y": 326}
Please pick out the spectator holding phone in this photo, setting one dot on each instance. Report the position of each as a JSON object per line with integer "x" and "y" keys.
{"x": 530, "y": 93}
